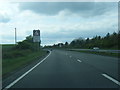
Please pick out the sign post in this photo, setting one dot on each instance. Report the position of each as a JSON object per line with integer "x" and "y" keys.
{"x": 15, "y": 37}
{"x": 36, "y": 39}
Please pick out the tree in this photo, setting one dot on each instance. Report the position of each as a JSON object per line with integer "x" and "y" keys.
{"x": 108, "y": 35}
{"x": 99, "y": 37}
{"x": 66, "y": 43}
{"x": 72, "y": 43}
{"x": 87, "y": 40}
{"x": 29, "y": 39}
{"x": 26, "y": 44}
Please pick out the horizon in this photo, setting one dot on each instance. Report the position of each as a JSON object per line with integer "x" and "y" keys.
{"x": 59, "y": 42}
{"x": 58, "y": 22}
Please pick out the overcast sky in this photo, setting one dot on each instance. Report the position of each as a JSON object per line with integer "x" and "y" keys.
{"x": 58, "y": 21}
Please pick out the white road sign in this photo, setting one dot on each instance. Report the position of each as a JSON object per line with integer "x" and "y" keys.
{"x": 36, "y": 35}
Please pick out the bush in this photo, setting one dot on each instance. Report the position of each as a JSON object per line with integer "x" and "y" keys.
{"x": 15, "y": 54}
{"x": 21, "y": 49}
{"x": 26, "y": 44}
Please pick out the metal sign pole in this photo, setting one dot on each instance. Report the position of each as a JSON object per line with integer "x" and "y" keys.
{"x": 15, "y": 36}
{"x": 38, "y": 46}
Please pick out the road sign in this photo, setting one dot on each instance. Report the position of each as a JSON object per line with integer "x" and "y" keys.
{"x": 36, "y": 35}
{"x": 36, "y": 32}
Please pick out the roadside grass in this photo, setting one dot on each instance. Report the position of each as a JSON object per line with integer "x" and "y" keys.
{"x": 11, "y": 54}
{"x": 14, "y": 59}
{"x": 7, "y": 47}
{"x": 117, "y": 55}
{"x": 9, "y": 65}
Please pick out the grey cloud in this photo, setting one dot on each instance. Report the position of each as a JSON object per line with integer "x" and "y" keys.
{"x": 12, "y": 37}
{"x": 75, "y": 34}
{"x": 4, "y": 19}
{"x": 52, "y": 38}
{"x": 82, "y": 8}
{"x": 8, "y": 37}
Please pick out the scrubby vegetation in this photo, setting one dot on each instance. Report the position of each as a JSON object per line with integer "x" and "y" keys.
{"x": 110, "y": 41}
{"x": 22, "y": 48}
{"x": 14, "y": 56}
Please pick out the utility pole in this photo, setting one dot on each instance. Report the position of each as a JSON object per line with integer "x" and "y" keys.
{"x": 15, "y": 37}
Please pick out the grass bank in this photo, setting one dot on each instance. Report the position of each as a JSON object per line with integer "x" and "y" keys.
{"x": 9, "y": 65}
{"x": 117, "y": 55}
{"x": 13, "y": 59}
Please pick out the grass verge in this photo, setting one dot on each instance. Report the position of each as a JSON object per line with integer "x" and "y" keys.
{"x": 9, "y": 65}
{"x": 117, "y": 55}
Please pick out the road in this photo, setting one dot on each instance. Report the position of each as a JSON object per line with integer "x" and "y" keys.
{"x": 69, "y": 69}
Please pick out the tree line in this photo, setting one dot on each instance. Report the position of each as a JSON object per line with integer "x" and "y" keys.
{"x": 109, "y": 41}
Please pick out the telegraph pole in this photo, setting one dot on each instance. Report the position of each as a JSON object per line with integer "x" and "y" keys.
{"x": 15, "y": 37}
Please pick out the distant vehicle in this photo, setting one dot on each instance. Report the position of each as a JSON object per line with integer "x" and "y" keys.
{"x": 95, "y": 48}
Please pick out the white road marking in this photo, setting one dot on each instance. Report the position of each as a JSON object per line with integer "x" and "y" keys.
{"x": 10, "y": 85}
{"x": 79, "y": 60}
{"x": 112, "y": 79}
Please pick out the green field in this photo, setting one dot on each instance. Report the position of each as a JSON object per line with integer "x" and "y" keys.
{"x": 13, "y": 59}
{"x": 7, "y": 46}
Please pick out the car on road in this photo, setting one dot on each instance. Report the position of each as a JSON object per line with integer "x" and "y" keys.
{"x": 95, "y": 48}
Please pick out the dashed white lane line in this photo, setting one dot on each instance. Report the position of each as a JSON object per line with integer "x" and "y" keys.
{"x": 79, "y": 60}
{"x": 14, "y": 82}
{"x": 112, "y": 79}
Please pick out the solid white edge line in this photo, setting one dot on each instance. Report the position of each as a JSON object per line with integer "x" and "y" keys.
{"x": 112, "y": 79}
{"x": 79, "y": 60}
{"x": 10, "y": 85}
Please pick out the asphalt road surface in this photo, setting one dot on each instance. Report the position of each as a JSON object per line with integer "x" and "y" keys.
{"x": 69, "y": 69}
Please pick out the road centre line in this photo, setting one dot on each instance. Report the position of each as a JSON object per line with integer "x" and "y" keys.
{"x": 112, "y": 79}
{"x": 14, "y": 82}
{"x": 79, "y": 60}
